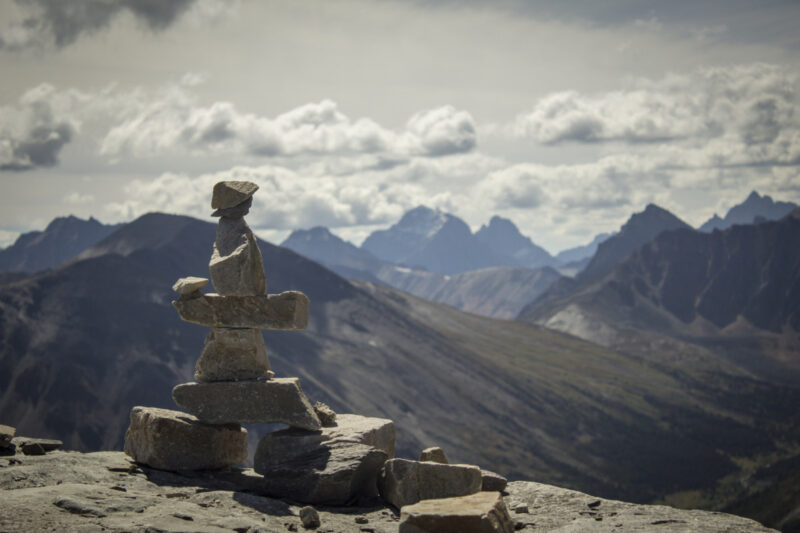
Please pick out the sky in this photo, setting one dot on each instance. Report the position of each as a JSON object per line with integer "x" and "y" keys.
{"x": 565, "y": 117}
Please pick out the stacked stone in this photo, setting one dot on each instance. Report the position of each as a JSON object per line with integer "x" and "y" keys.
{"x": 234, "y": 385}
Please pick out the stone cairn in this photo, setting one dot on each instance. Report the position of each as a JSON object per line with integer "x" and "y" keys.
{"x": 322, "y": 458}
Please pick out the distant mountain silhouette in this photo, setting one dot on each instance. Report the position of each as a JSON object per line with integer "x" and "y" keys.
{"x": 61, "y": 240}
{"x": 344, "y": 258}
{"x": 581, "y": 253}
{"x": 640, "y": 229}
{"x": 755, "y": 208}
{"x": 83, "y": 343}
{"x": 499, "y": 292}
{"x": 505, "y": 240}
{"x": 432, "y": 240}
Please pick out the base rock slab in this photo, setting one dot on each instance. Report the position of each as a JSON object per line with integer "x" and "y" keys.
{"x": 279, "y": 400}
{"x": 483, "y": 512}
{"x": 171, "y": 440}
{"x": 332, "y": 473}
{"x": 405, "y": 482}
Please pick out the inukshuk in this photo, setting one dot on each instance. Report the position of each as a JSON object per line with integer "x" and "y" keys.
{"x": 234, "y": 384}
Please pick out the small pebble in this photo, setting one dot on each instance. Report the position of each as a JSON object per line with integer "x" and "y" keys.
{"x": 362, "y": 520}
{"x": 594, "y": 505}
{"x": 310, "y": 517}
{"x": 521, "y": 508}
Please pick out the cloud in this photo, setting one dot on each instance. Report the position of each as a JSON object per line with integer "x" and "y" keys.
{"x": 33, "y": 133}
{"x": 60, "y": 23}
{"x": 606, "y": 183}
{"x": 174, "y": 121}
{"x": 441, "y": 131}
{"x": 747, "y": 114}
{"x": 287, "y": 199}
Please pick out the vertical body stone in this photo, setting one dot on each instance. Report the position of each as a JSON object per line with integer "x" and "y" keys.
{"x": 236, "y": 267}
{"x": 232, "y": 354}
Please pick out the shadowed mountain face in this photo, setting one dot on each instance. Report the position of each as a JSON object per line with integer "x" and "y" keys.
{"x": 755, "y": 208}
{"x": 737, "y": 291}
{"x": 82, "y": 344}
{"x": 641, "y": 228}
{"x": 505, "y": 240}
{"x": 63, "y": 239}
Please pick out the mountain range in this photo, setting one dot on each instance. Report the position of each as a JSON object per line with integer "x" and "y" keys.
{"x": 82, "y": 343}
{"x": 498, "y": 292}
{"x": 667, "y": 373}
{"x": 63, "y": 239}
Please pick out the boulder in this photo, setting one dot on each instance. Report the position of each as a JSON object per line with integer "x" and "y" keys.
{"x": 433, "y": 455}
{"x": 374, "y": 432}
{"x": 404, "y": 482}
{"x": 287, "y": 310}
{"x": 6, "y": 434}
{"x": 235, "y": 266}
{"x": 492, "y": 482}
{"x": 332, "y": 473}
{"x": 482, "y": 512}
{"x": 171, "y": 440}
{"x": 231, "y": 193}
{"x": 231, "y": 354}
{"x": 248, "y": 402}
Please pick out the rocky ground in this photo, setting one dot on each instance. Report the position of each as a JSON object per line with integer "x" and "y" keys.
{"x": 105, "y": 491}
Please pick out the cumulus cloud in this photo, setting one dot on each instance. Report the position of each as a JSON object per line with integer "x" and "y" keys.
{"x": 60, "y": 23}
{"x": 606, "y": 183}
{"x": 441, "y": 131}
{"x": 33, "y": 133}
{"x": 175, "y": 121}
{"x": 746, "y": 114}
{"x": 287, "y": 199}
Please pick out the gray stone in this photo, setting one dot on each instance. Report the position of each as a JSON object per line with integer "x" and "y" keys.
{"x": 187, "y": 287}
{"x": 171, "y": 440}
{"x": 287, "y": 310}
{"x": 237, "y": 211}
{"x": 231, "y": 193}
{"x": 232, "y": 354}
{"x": 32, "y": 448}
{"x": 375, "y": 432}
{"x": 492, "y": 482}
{"x": 433, "y": 455}
{"x": 248, "y": 402}
{"x": 326, "y": 415}
{"x": 482, "y": 512}
{"x": 47, "y": 445}
{"x": 403, "y": 482}
{"x": 6, "y": 434}
{"x": 309, "y": 517}
{"x": 333, "y": 473}
{"x": 235, "y": 266}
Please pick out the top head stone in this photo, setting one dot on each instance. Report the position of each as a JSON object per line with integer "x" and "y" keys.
{"x": 229, "y": 194}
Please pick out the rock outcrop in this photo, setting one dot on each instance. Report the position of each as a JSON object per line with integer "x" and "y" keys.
{"x": 72, "y": 491}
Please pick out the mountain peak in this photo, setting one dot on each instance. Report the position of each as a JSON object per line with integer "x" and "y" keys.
{"x": 754, "y": 208}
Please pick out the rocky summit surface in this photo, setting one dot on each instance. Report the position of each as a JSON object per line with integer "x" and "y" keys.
{"x": 105, "y": 491}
